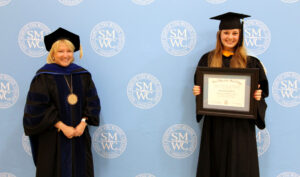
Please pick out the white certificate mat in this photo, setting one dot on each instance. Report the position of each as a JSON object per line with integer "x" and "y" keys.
{"x": 226, "y": 92}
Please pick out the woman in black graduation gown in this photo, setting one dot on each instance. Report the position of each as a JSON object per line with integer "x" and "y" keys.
{"x": 61, "y": 102}
{"x": 228, "y": 145}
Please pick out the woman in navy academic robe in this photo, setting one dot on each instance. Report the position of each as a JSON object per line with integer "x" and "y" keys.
{"x": 61, "y": 102}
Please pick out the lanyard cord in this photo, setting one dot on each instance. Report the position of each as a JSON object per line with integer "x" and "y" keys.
{"x": 70, "y": 87}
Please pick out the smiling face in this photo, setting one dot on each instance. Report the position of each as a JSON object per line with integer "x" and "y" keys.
{"x": 230, "y": 38}
{"x": 63, "y": 54}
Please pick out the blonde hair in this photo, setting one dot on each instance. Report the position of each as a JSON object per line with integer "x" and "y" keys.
{"x": 55, "y": 46}
{"x": 239, "y": 59}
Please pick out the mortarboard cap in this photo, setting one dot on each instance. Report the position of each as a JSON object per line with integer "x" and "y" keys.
{"x": 230, "y": 20}
{"x": 61, "y": 33}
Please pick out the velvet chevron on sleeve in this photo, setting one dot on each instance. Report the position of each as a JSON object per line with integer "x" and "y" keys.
{"x": 92, "y": 107}
{"x": 39, "y": 114}
{"x": 54, "y": 154}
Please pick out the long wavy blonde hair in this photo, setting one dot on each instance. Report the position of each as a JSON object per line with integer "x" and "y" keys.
{"x": 239, "y": 59}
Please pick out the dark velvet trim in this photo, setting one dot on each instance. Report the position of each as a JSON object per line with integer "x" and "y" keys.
{"x": 66, "y": 144}
{"x": 59, "y": 70}
{"x": 95, "y": 112}
{"x": 35, "y": 109}
{"x": 29, "y": 121}
{"x": 37, "y": 97}
{"x": 71, "y": 115}
{"x": 78, "y": 90}
{"x": 80, "y": 70}
{"x": 92, "y": 92}
{"x": 77, "y": 115}
{"x": 94, "y": 103}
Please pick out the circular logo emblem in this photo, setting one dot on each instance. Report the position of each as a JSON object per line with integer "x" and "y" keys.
{"x": 109, "y": 141}
{"x": 4, "y": 2}
{"x": 289, "y": 1}
{"x": 142, "y": 2}
{"x": 286, "y": 90}
{"x": 179, "y": 141}
{"x": 9, "y": 91}
{"x": 70, "y": 2}
{"x": 7, "y": 175}
{"x": 31, "y": 39}
{"x": 144, "y": 91}
{"x": 107, "y": 39}
{"x": 178, "y": 38}
{"x": 145, "y": 175}
{"x": 263, "y": 141}
{"x": 216, "y": 1}
{"x": 26, "y": 144}
{"x": 288, "y": 174}
{"x": 257, "y": 37}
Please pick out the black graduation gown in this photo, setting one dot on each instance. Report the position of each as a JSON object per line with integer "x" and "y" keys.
{"x": 54, "y": 154}
{"x": 228, "y": 145}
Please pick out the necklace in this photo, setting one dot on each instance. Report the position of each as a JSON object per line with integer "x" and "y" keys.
{"x": 72, "y": 98}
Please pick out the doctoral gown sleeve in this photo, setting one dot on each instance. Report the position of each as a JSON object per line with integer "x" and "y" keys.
{"x": 40, "y": 114}
{"x": 203, "y": 62}
{"x": 92, "y": 107}
{"x": 264, "y": 86}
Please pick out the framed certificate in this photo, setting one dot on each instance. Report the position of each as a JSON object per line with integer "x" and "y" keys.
{"x": 227, "y": 92}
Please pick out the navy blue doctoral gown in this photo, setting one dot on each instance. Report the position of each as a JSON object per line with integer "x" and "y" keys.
{"x": 53, "y": 153}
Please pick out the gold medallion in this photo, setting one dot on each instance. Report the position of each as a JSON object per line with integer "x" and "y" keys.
{"x": 72, "y": 99}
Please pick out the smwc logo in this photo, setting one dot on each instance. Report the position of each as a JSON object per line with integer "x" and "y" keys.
{"x": 179, "y": 141}
{"x": 257, "y": 37}
{"x": 144, "y": 91}
{"x": 285, "y": 89}
{"x": 178, "y": 38}
{"x": 31, "y": 39}
{"x": 109, "y": 141}
{"x": 107, "y": 39}
{"x": 9, "y": 91}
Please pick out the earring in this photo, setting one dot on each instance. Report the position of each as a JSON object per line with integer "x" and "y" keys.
{"x": 53, "y": 59}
